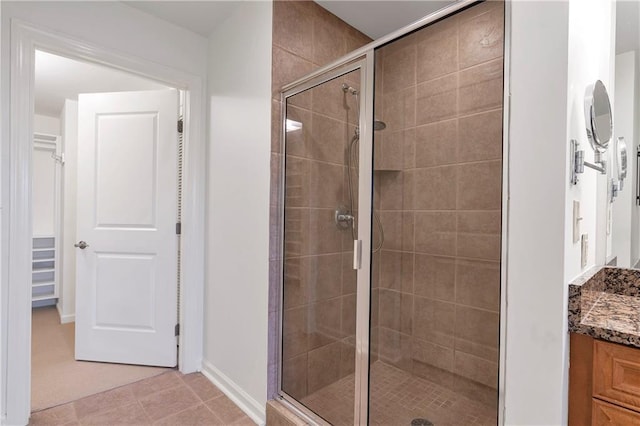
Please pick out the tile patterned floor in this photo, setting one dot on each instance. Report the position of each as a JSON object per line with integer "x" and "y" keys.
{"x": 168, "y": 399}
{"x": 397, "y": 397}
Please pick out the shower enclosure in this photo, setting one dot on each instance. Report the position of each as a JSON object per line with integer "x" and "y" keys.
{"x": 391, "y": 228}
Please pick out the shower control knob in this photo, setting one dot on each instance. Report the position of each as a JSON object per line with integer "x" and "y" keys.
{"x": 81, "y": 245}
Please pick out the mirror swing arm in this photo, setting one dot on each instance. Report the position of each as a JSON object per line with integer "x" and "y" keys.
{"x": 578, "y": 163}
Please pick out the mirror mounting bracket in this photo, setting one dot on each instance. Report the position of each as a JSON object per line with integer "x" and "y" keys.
{"x": 578, "y": 163}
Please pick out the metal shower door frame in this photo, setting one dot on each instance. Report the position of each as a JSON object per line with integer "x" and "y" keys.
{"x": 362, "y": 252}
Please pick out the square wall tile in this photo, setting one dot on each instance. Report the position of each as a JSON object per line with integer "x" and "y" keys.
{"x": 296, "y": 282}
{"x": 435, "y": 233}
{"x": 325, "y": 276}
{"x": 481, "y": 88}
{"x": 435, "y": 277}
{"x": 292, "y": 21}
{"x": 396, "y": 271}
{"x": 436, "y": 188}
{"x": 324, "y": 236}
{"x": 481, "y": 36}
{"x": 328, "y": 139}
{"x": 438, "y": 49}
{"x": 477, "y": 325}
{"x": 325, "y": 185}
{"x": 323, "y": 366}
{"x": 477, "y": 369}
{"x": 480, "y": 186}
{"x": 432, "y": 354}
{"x": 480, "y": 137}
{"x": 478, "y": 284}
{"x": 297, "y": 141}
{"x": 329, "y": 40}
{"x": 297, "y": 182}
{"x": 479, "y": 246}
{"x": 390, "y": 309}
{"x": 399, "y": 109}
{"x": 437, "y": 100}
{"x": 434, "y": 321}
{"x": 437, "y": 144}
{"x": 294, "y": 376}
{"x": 290, "y": 68}
{"x": 400, "y": 68}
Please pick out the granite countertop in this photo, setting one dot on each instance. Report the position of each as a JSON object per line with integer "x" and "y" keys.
{"x": 605, "y": 303}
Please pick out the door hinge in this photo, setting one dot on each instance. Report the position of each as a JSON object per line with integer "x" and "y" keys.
{"x": 180, "y": 126}
{"x": 177, "y": 330}
{"x": 178, "y": 228}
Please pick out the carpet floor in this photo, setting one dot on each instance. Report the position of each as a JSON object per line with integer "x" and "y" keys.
{"x": 57, "y": 378}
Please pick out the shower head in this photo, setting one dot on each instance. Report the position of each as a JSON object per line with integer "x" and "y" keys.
{"x": 379, "y": 125}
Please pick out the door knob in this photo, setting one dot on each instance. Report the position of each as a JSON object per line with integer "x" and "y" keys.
{"x": 81, "y": 245}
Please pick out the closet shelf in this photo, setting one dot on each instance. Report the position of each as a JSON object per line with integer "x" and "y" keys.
{"x": 43, "y": 284}
{"x": 43, "y": 297}
{"x": 44, "y": 273}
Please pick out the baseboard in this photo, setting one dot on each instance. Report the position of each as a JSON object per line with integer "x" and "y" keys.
{"x": 64, "y": 319}
{"x": 250, "y": 406}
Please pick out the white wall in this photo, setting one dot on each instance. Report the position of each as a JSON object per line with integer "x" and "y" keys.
{"x": 625, "y": 211}
{"x": 112, "y": 25}
{"x": 591, "y": 33}
{"x": 43, "y": 191}
{"x": 46, "y": 124}
{"x": 557, "y": 48}
{"x": 236, "y": 318}
{"x": 67, "y": 300}
{"x": 536, "y": 306}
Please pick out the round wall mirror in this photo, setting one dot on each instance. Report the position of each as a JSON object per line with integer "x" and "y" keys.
{"x": 598, "y": 116}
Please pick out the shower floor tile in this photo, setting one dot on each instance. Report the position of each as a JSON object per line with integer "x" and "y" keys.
{"x": 397, "y": 397}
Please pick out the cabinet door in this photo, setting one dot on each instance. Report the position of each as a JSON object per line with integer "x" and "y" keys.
{"x": 607, "y": 414}
{"x": 616, "y": 374}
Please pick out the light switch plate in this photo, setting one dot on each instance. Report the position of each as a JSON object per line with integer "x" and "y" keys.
{"x": 576, "y": 221}
{"x": 584, "y": 245}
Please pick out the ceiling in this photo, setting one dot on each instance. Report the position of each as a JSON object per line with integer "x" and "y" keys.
{"x": 374, "y": 18}
{"x": 381, "y": 17}
{"x": 201, "y": 17}
{"x": 58, "y": 78}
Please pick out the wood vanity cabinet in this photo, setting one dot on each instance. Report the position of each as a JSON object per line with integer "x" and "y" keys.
{"x": 604, "y": 382}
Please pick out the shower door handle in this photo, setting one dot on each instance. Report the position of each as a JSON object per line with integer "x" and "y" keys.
{"x": 81, "y": 245}
{"x": 357, "y": 257}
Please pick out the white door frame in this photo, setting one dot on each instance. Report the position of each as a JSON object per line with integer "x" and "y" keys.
{"x": 25, "y": 38}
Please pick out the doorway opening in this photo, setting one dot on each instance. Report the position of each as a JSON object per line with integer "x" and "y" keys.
{"x": 105, "y": 250}
{"x": 17, "y": 262}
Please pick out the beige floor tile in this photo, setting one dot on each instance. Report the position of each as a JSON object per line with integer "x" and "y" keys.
{"x": 167, "y": 402}
{"x": 130, "y": 414}
{"x": 60, "y": 415}
{"x": 225, "y": 409}
{"x": 155, "y": 384}
{"x": 201, "y": 386}
{"x": 198, "y": 415}
{"x": 104, "y": 401}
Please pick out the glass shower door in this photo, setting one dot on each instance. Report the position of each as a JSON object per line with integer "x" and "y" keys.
{"x": 318, "y": 353}
{"x": 437, "y": 191}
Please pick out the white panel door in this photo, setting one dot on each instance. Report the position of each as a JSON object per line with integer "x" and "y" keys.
{"x": 126, "y": 286}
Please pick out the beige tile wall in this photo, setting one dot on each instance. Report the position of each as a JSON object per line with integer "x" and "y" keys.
{"x": 439, "y": 91}
{"x": 319, "y": 285}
